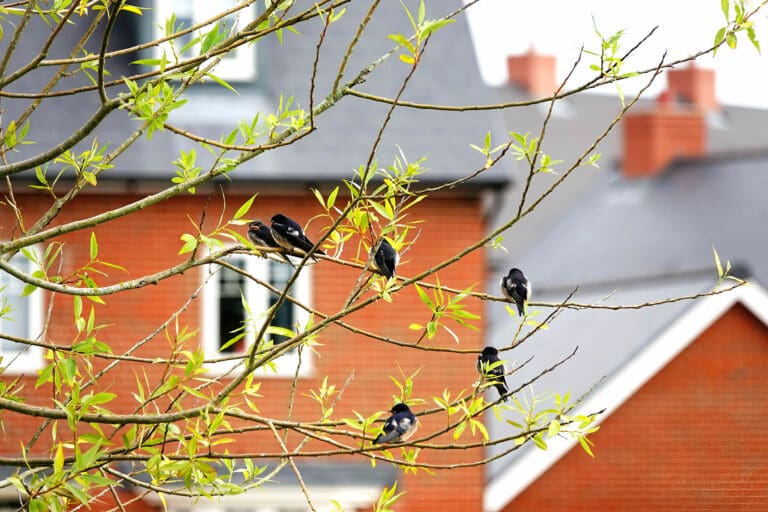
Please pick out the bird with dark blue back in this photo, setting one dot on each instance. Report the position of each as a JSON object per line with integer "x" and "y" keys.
{"x": 399, "y": 427}
{"x": 384, "y": 257}
{"x": 491, "y": 372}
{"x": 259, "y": 234}
{"x": 516, "y": 288}
{"x": 288, "y": 234}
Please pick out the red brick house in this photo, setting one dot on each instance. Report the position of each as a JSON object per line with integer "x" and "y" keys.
{"x": 148, "y": 241}
{"x": 680, "y": 427}
{"x": 682, "y": 384}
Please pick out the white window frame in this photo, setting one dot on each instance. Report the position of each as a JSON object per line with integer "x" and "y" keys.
{"x": 283, "y": 497}
{"x": 257, "y": 297}
{"x": 239, "y": 66}
{"x": 30, "y": 358}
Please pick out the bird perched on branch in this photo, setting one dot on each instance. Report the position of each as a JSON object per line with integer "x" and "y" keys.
{"x": 399, "y": 427}
{"x": 384, "y": 257}
{"x": 260, "y": 234}
{"x": 491, "y": 372}
{"x": 288, "y": 234}
{"x": 516, "y": 288}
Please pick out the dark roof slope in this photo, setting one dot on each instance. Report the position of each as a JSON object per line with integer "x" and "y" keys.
{"x": 448, "y": 74}
{"x": 624, "y": 230}
{"x": 577, "y": 122}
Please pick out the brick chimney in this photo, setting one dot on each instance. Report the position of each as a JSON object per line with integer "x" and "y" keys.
{"x": 654, "y": 138}
{"x": 693, "y": 85}
{"x": 533, "y": 72}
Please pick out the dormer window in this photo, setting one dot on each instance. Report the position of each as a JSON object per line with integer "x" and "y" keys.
{"x": 238, "y": 65}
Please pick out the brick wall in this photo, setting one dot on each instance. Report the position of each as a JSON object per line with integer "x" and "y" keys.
{"x": 692, "y": 438}
{"x": 149, "y": 241}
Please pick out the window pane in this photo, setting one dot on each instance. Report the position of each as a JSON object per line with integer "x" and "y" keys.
{"x": 15, "y": 322}
{"x": 192, "y": 13}
{"x": 231, "y": 312}
{"x": 279, "y": 274}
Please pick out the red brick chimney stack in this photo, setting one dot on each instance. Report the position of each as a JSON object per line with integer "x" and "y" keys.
{"x": 534, "y": 72}
{"x": 654, "y": 138}
{"x": 694, "y": 86}
{"x": 675, "y": 127}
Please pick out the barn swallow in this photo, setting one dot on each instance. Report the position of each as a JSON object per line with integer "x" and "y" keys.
{"x": 260, "y": 234}
{"x": 384, "y": 257}
{"x": 288, "y": 234}
{"x": 399, "y": 427}
{"x": 494, "y": 375}
{"x": 515, "y": 287}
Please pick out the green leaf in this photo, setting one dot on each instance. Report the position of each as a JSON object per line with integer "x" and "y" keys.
{"x": 190, "y": 243}
{"x": 89, "y": 177}
{"x": 334, "y": 16}
{"x": 554, "y": 428}
{"x": 58, "y": 459}
{"x": 77, "y": 302}
{"x": 433, "y": 26}
{"x": 281, "y": 331}
{"x": 221, "y": 82}
{"x": 381, "y": 210}
{"x": 459, "y": 430}
{"x": 753, "y": 38}
{"x": 584, "y": 442}
{"x": 725, "y": 7}
{"x": 538, "y": 440}
{"x": 424, "y": 297}
{"x": 483, "y": 431}
{"x": 410, "y": 17}
{"x": 209, "y": 40}
{"x": 718, "y": 265}
{"x": 332, "y": 198}
{"x": 131, "y": 8}
{"x": 101, "y": 398}
{"x": 318, "y": 196}
{"x": 431, "y": 330}
{"x": 403, "y": 41}
{"x": 719, "y": 37}
{"x": 147, "y": 62}
{"x": 94, "y": 250}
{"x": 244, "y": 208}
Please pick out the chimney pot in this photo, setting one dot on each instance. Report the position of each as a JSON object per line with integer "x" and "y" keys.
{"x": 694, "y": 85}
{"x": 535, "y": 72}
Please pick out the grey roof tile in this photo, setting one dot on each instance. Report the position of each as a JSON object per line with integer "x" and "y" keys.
{"x": 448, "y": 74}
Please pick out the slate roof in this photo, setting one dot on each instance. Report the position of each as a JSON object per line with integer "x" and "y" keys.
{"x": 448, "y": 74}
{"x": 578, "y": 120}
{"x": 623, "y": 230}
